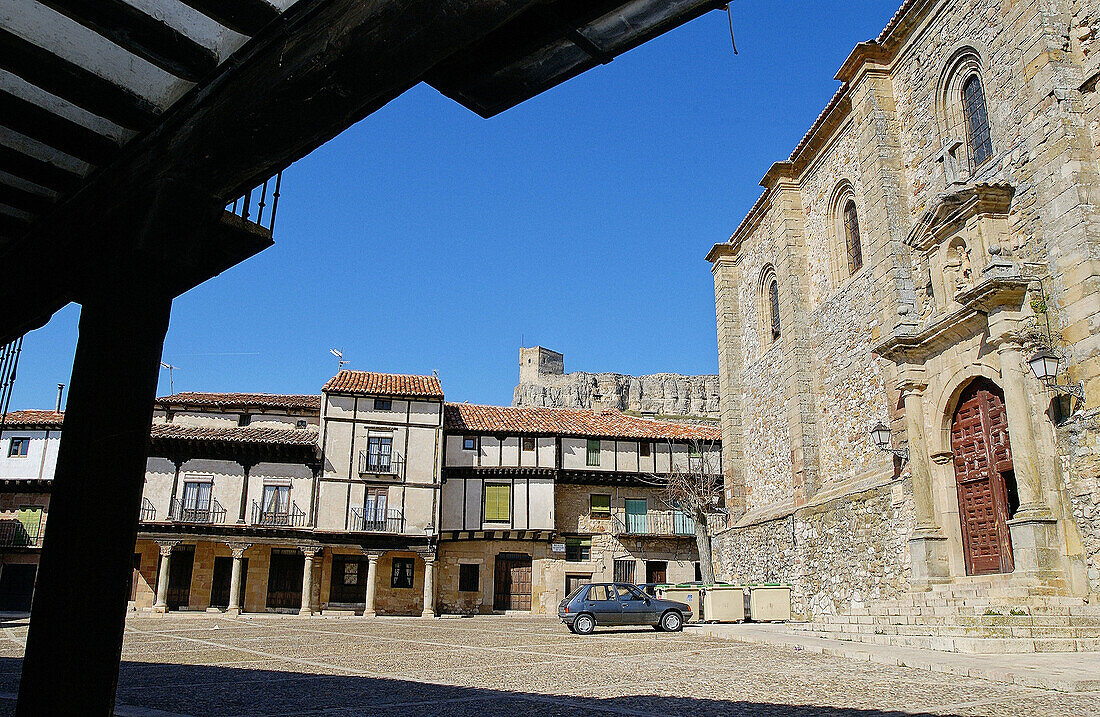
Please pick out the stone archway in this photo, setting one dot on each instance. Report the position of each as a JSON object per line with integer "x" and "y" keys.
{"x": 984, "y": 477}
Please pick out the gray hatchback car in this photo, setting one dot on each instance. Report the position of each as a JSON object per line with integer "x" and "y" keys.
{"x": 619, "y": 604}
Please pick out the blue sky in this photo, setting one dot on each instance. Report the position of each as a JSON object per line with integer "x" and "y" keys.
{"x": 426, "y": 238}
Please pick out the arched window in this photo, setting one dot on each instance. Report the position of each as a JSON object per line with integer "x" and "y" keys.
{"x": 773, "y": 306}
{"x": 851, "y": 238}
{"x": 977, "y": 121}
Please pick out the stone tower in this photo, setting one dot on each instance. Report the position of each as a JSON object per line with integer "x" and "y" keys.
{"x": 536, "y": 361}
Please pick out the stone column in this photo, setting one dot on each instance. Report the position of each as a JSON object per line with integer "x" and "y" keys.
{"x": 235, "y": 598}
{"x": 429, "y": 586}
{"x": 372, "y": 576}
{"x": 307, "y": 580}
{"x": 161, "y": 605}
{"x": 928, "y": 544}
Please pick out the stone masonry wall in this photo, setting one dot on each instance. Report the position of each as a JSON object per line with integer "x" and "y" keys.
{"x": 1079, "y": 447}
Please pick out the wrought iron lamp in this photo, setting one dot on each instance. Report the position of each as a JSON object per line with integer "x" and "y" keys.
{"x": 1044, "y": 364}
{"x": 880, "y": 435}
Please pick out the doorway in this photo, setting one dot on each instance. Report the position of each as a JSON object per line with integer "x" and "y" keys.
{"x": 984, "y": 478}
{"x": 17, "y": 587}
{"x": 284, "y": 580}
{"x": 223, "y": 575}
{"x": 656, "y": 571}
{"x": 349, "y": 579}
{"x": 180, "y": 565}
{"x": 512, "y": 582}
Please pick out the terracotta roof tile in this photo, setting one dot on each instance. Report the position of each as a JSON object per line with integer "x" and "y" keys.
{"x": 34, "y": 419}
{"x": 285, "y": 436}
{"x": 465, "y": 417}
{"x": 311, "y": 402}
{"x": 384, "y": 384}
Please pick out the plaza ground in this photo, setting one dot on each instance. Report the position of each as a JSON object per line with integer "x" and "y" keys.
{"x": 210, "y": 664}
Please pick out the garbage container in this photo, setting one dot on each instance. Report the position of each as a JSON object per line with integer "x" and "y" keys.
{"x": 769, "y": 603}
{"x": 689, "y": 594}
{"x": 724, "y": 603}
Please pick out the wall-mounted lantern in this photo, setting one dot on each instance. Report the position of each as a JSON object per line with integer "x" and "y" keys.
{"x": 880, "y": 435}
{"x": 1044, "y": 364}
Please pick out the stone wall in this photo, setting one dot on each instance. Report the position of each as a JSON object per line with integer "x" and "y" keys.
{"x": 835, "y": 555}
{"x": 1079, "y": 447}
{"x": 665, "y": 394}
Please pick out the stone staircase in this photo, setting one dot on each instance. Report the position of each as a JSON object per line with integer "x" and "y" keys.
{"x": 978, "y": 615}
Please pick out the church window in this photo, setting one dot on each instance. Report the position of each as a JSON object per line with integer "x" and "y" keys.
{"x": 851, "y": 237}
{"x": 977, "y": 121}
{"x": 773, "y": 306}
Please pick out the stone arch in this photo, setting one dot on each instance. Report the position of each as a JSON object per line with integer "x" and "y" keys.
{"x": 840, "y": 267}
{"x": 768, "y": 292}
{"x": 948, "y": 400}
{"x": 967, "y": 61}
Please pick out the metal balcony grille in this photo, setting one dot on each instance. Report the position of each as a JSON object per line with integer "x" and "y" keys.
{"x": 211, "y": 512}
{"x": 387, "y": 464}
{"x": 665, "y": 522}
{"x": 393, "y": 522}
{"x": 294, "y": 517}
{"x": 14, "y": 533}
{"x": 148, "y": 511}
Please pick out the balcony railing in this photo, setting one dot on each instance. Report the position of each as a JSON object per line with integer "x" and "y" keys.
{"x": 394, "y": 522}
{"x": 250, "y": 206}
{"x": 148, "y": 511}
{"x": 663, "y": 522}
{"x": 385, "y": 464}
{"x": 211, "y": 512}
{"x": 14, "y": 534}
{"x": 293, "y": 517}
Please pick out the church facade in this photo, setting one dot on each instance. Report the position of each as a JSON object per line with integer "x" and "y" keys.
{"x": 933, "y": 235}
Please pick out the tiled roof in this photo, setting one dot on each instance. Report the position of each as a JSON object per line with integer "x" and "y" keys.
{"x": 369, "y": 383}
{"x": 283, "y": 436}
{"x": 464, "y": 417}
{"x": 311, "y": 402}
{"x": 34, "y": 419}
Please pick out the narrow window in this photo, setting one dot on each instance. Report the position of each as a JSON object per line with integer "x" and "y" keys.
{"x": 599, "y": 505}
{"x": 644, "y": 449}
{"x": 528, "y": 444}
{"x": 301, "y": 423}
{"x": 469, "y": 578}
{"x": 578, "y": 550}
{"x": 379, "y": 453}
{"x": 977, "y": 121}
{"x": 374, "y": 510}
{"x": 469, "y": 443}
{"x": 498, "y": 502}
{"x": 624, "y": 571}
{"x": 383, "y": 404}
{"x": 276, "y": 501}
{"x": 593, "y": 457}
{"x": 773, "y": 306}
{"x": 402, "y": 575}
{"x": 244, "y": 419}
{"x": 18, "y": 447}
{"x": 851, "y": 237}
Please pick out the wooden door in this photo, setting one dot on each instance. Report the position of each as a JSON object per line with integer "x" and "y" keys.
{"x": 656, "y": 571}
{"x": 982, "y": 457}
{"x": 180, "y": 566}
{"x": 17, "y": 587}
{"x": 512, "y": 582}
{"x": 349, "y": 579}
{"x": 284, "y": 580}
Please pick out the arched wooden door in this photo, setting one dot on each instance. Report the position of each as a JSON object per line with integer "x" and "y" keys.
{"x": 983, "y": 462}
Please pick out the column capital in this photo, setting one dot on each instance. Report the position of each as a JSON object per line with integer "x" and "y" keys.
{"x": 239, "y": 548}
{"x": 310, "y": 550}
{"x": 371, "y": 557}
{"x": 167, "y": 545}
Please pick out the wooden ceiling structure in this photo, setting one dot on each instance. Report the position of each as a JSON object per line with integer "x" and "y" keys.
{"x": 127, "y": 130}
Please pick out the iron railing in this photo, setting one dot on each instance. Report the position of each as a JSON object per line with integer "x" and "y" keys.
{"x": 389, "y": 464}
{"x": 656, "y": 522}
{"x": 211, "y": 512}
{"x": 293, "y": 517}
{"x": 148, "y": 511}
{"x": 251, "y": 206}
{"x": 394, "y": 522}
{"x": 14, "y": 533}
{"x": 9, "y": 361}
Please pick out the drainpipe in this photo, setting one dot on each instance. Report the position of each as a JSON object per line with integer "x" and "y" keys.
{"x": 60, "y": 393}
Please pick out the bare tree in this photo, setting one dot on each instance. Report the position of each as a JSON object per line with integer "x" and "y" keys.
{"x": 695, "y": 488}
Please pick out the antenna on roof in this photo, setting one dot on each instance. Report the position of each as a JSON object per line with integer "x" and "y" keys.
{"x": 340, "y": 362}
{"x": 435, "y": 372}
{"x": 171, "y": 377}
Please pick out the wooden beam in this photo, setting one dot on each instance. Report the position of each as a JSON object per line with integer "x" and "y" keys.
{"x": 247, "y": 17}
{"x": 35, "y": 170}
{"x": 54, "y": 130}
{"x": 74, "y": 83}
{"x": 22, "y": 199}
{"x": 141, "y": 34}
{"x": 12, "y": 225}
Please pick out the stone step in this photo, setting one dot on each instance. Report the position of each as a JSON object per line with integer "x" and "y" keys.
{"x": 969, "y": 644}
{"x": 1005, "y": 630}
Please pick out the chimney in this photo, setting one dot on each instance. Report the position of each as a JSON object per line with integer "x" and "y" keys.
{"x": 60, "y": 393}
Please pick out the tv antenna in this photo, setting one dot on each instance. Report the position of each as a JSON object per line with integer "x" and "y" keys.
{"x": 171, "y": 376}
{"x": 340, "y": 360}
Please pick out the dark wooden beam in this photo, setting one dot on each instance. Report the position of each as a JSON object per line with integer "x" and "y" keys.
{"x": 54, "y": 130}
{"x": 13, "y": 226}
{"x": 142, "y": 35}
{"x": 22, "y": 199}
{"x": 74, "y": 83}
{"x": 35, "y": 170}
{"x": 247, "y": 17}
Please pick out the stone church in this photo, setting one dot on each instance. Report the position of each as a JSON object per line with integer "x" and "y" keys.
{"x": 925, "y": 262}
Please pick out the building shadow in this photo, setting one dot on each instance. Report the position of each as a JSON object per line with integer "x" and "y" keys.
{"x": 172, "y": 690}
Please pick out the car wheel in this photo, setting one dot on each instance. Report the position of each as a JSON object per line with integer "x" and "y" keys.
{"x": 571, "y": 628}
{"x": 658, "y": 627}
{"x": 671, "y": 621}
{"x": 584, "y": 625}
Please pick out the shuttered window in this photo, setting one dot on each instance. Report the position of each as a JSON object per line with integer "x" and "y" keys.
{"x": 498, "y": 503}
{"x": 593, "y": 458}
{"x": 600, "y": 505}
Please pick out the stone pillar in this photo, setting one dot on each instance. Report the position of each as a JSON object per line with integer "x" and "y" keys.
{"x": 928, "y": 544}
{"x": 161, "y": 605}
{"x": 429, "y": 586}
{"x": 307, "y": 580}
{"x": 372, "y": 577}
{"x": 236, "y": 600}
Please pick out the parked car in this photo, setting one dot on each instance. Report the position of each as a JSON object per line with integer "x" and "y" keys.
{"x": 619, "y": 604}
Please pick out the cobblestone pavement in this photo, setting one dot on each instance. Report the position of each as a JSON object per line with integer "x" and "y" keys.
{"x": 494, "y": 666}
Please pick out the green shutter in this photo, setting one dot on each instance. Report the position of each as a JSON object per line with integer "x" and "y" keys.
{"x": 497, "y": 503}
{"x": 600, "y": 505}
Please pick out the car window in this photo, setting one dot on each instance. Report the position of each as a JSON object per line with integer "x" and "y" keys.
{"x": 629, "y": 592}
{"x": 576, "y": 591}
{"x": 599, "y": 593}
